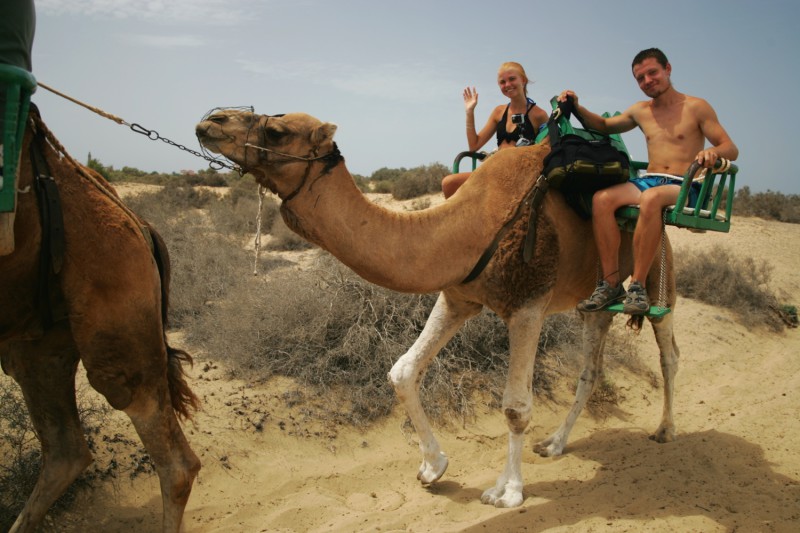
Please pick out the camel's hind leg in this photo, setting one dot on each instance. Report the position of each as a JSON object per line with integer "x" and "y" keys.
{"x": 129, "y": 367}
{"x": 446, "y": 317}
{"x": 45, "y": 371}
{"x": 595, "y": 329}
{"x": 176, "y": 463}
{"x": 669, "y": 354}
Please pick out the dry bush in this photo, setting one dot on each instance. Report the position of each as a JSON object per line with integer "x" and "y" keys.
{"x": 419, "y": 181}
{"x": 284, "y": 239}
{"x": 420, "y": 203}
{"x": 340, "y": 335}
{"x": 327, "y": 328}
{"x": 741, "y": 284}
{"x": 236, "y": 213}
{"x": 768, "y": 205}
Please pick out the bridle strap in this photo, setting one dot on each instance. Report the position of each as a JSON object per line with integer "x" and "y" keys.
{"x": 332, "y": 158}
{"x": 289, "y": 156}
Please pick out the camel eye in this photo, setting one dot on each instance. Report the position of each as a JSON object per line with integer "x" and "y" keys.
{"x": 218, "y": 119}
{"x": 274, "y": 134}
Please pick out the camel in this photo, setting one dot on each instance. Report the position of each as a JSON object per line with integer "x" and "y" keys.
{"x": 108, "y": 311}
{"x": 294, "y": 155}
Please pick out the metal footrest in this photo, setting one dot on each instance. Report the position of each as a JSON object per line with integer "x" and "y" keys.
{"x": 656, "y": 311}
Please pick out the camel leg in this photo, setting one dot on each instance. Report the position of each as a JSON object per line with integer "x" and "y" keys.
{"x": 595, "y": 329}
{"x": 524, "y": 329}
{"x": 129, "y": 368}
{"x": 665, "y": 337}
{"x": 175, "y": 462}
{"x": 669, "y": 354}
{"x": 446, "y": 317}
{"x": 45, "y": 371}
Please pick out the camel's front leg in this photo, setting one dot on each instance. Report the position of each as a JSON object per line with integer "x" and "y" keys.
{"x": 524, "y": 328}
{"x": 406, "y": 376}
{"x": 670, "y": 354}
{"x": 595, "y": 329}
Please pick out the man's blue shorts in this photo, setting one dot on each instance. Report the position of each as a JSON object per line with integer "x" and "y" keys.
{"x": 654, "y": 180}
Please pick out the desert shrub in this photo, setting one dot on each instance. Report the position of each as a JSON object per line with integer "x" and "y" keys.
{"x": 362, "y": 183}
{"x": 339, "y": 334}
{"x": 404, "y": 184}
{"x": 171, "y": 200}
{"x": 284, "y": 239}
{"x": 767, "y": 205}
{"x": 236, "y": 213}
{"x": 204, "y": 262}
{"x": 419, "y": 181}
{"x": 381, "y": 187}
{"x": 741, "y": 284}
{"x": 420, "y": 204}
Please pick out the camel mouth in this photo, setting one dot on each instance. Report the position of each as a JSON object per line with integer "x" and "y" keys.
{"x": 211, "y": 137}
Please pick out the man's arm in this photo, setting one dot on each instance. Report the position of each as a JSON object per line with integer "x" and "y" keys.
{"x": 617, "y": 124}
{"x": 722, "y": 144}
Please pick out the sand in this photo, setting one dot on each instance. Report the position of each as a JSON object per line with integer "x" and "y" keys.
{"x": 735, "y": 465}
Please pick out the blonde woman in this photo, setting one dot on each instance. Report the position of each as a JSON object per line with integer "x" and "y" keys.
{"x": 520, "y": 118}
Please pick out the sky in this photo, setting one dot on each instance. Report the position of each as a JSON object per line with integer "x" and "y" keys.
{"x": 391, "y": 73}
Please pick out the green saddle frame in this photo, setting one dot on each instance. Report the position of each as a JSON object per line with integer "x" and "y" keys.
{"x": 17, "y": 85}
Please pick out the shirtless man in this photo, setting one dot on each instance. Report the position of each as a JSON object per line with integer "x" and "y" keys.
{"x": 675, "y": 126}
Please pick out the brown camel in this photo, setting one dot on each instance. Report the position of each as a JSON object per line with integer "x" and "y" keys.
{"x": 434, "y": 250}
{"x": 108, "y": 311}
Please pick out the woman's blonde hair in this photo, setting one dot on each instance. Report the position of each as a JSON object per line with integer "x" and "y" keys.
{"x": 513, "y": 65}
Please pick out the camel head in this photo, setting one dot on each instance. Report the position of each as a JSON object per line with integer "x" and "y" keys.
{"x": 276, "y": 149}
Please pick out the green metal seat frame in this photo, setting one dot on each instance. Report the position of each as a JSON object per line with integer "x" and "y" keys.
{"x": 714, "y": 202}
{"x": 18, "y": 85}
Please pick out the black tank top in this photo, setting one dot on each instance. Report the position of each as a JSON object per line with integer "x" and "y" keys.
{"x": 527, "y": 129}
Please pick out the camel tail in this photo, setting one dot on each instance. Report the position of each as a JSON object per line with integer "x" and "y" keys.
{"x": 184, "y": 401}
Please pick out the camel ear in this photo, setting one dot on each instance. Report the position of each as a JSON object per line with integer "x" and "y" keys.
{"x": 324, "y": 133}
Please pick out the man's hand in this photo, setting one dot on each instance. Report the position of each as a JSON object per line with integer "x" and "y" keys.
{"x": 707, "y": 158}
{"x": 568, "y": 94}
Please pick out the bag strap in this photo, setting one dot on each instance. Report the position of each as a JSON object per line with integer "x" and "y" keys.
{"x": 561, "y": 114}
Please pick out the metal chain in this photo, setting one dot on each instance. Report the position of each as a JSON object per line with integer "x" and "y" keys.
{"x": 213, "y": 163}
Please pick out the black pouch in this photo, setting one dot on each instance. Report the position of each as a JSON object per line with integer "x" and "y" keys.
{"x": 582, "y": 161}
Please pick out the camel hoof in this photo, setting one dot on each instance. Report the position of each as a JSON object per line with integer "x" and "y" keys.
{"x": 429, "y": 472}
{"x": 502, "y": 498}
{"x": 663, "y": 435}
{"x": 549, "y": 448}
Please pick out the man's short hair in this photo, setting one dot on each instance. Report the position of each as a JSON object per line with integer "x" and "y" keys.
{"x": 650, "y": 52}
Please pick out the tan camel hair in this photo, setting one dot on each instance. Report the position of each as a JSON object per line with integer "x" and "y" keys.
{"x": 116, "y": 298}
{"x": 433, "y": 250}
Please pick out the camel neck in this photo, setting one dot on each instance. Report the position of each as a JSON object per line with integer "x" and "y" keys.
{"x": 402, "y": 251}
